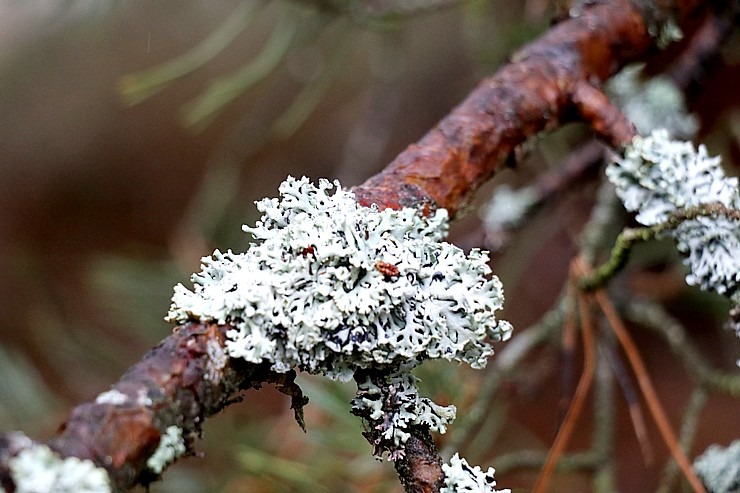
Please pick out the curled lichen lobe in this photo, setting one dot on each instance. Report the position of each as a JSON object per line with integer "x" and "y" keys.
{"x": 332, "y": 287}
{"x": 461, "y": 477}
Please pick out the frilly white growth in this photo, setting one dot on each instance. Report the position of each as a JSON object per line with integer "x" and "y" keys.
{"x": 398, "y": 407}
{"x": 39, "y": 470}
{"x": 460, "y": 477}
{"x": 657, "y": 177}
{"x": 719, "y": 468}
{"x": 113, "y": 396}
{"x": 171, "y": 446}
{"x": 333, "y": 287}
{"x": 651, "y": 104}
{"x": 508, "y": 207}
{"x": 712, "y": 246}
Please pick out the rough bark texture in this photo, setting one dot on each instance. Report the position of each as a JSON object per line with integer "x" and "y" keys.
{"x": 184, "y": 380}
{"x": 420, "y": 470}
{"x": 554, "y": 80}
{"x": 181, "y": 382}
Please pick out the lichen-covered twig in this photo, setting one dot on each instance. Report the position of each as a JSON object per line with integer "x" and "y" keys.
{"x": 680, "y": 191}
{"x": 181, "y": 382}
{"x": 189, "y": 376}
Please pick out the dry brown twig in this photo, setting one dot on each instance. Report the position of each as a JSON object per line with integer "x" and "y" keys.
{"x": 585, "y": 301}
{"x": 584, "y": 383}
{"x": 647, "y": 389}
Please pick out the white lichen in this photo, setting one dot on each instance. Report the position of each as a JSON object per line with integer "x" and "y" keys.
{"x": 113, "y": 397}
{"x": 460, "y": 477}
{"x": 507, "y": 209}
{"x": 712, "y": 249}
{"x": 143, "y": 399}
{"x": 658, "y": 177}
{"x": 396, "y": 406}
{"x": 668, "y": 32}
{"x": 38, "y": 469}
{"x": 651, "y": 104}
{"x": 719, "y": 468}
{"x": 171, "y": 446}
{"x": 333, "y": 287}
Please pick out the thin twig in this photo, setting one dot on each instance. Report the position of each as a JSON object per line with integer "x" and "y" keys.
{"x": 568, "y": 342}
{"x": 630, "y": 395}
{"x": 584, "y": 384}
{"x": 603, "y": 435}
{"x": 631, "y": 236}
{"x": 655, "y": 318}
{"x": 535, "y": 459}
{"x": 648, "y": 391}
{"x": 688, "y": 429}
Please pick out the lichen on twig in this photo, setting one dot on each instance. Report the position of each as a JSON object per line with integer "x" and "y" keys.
{"x": 334, "y": 287}
{"x": 342, "y": 290}
{"x": 681, "y": 192}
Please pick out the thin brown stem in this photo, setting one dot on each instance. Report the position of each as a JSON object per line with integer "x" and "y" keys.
{"x": 648, "y": 391}
{"x": 579, "y": 398}
{"x": 630, "y": 395}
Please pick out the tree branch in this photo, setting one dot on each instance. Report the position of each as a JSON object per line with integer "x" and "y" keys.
{"x": 187, "y": 377}
{"x": 182, "y": 381}
{"x": 554, "y": 80}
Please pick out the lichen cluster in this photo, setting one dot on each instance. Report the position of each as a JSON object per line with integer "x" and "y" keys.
{"x": 659, "y": 177}
{"x": 392, "y": 405}
{"x": 719, "y": 468}
{"x": 39, "y": 469}
{"x": 460, "y": 477}
{"x": 506, "y": 210}
{"x": 653, "y": 103}
{"x": 332, "y": 287}
{"x": 171, "y": 446}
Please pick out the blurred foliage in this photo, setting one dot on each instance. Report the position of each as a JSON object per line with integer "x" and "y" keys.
{"x": 135, "y": 137}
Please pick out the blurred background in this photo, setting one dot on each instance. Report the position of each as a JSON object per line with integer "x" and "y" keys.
{"x": 135, "y": 137}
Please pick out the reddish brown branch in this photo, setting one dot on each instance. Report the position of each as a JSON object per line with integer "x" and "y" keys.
{"x": 180, "y": 382}
{"x": 552, "y": 81}
{"x": 420, "y": 469}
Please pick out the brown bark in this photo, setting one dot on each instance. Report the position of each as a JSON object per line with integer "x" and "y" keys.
{"x": 180, "y": 382}
{"x": 554, "y": 80}
{"x": 420, "y": 469}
